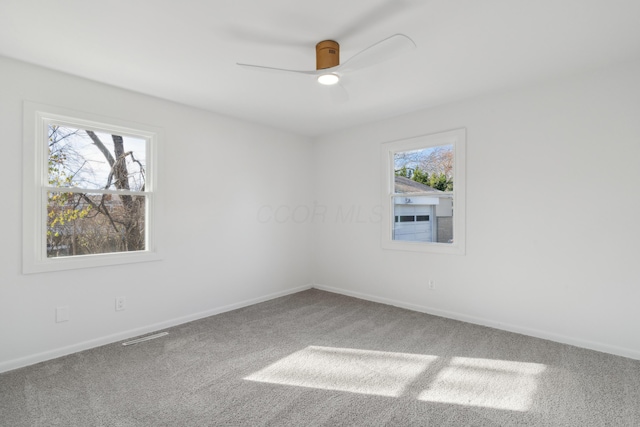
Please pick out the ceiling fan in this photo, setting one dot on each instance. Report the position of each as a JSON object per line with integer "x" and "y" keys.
{"x": 329, "y": 71}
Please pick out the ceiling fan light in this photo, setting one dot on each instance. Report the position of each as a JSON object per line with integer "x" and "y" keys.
{"x": 328, "y": 79}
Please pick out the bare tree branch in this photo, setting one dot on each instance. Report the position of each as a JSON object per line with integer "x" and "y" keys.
{"x": 104, "y": 150}
{"x": 101, "y": 208}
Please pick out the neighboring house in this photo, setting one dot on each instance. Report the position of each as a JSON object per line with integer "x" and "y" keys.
{"x": 424, "y": 214}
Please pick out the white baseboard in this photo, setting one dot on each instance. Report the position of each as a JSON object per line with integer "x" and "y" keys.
{"x": 591, "y": 345}
{"x": 120, "y": 336}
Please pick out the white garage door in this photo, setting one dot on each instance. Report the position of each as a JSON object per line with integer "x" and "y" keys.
{"x": 412, "y": 223}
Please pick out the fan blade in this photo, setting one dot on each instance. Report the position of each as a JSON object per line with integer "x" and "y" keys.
{"x": 263, "y": 68}
{"x": 379, "y": 52}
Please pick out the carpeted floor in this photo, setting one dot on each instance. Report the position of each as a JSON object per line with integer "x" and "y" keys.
{"x": 321, "y": 359}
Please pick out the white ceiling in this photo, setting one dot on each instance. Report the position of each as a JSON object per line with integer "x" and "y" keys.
{"x": 186, "y": 50}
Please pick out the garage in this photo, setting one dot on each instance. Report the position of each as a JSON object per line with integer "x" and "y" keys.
{"x": 414, "y": 219}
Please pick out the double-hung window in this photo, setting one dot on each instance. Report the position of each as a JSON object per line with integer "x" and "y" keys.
{"x": 423, "y": 193}
{"x": 89, "y": 190}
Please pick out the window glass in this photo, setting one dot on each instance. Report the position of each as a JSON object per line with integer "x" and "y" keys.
{"x": 82, "y": 223}
{"x": 425, "y": 176}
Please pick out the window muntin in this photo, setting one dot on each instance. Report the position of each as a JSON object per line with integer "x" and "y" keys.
{"x": 423, "y": 193}
{"x": 90, "y": 190}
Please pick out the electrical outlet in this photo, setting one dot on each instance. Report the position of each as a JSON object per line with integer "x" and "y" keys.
{"x": 62, "y": 314}
{"x": 432, "y": 285}
{"x": 120, "y": 303}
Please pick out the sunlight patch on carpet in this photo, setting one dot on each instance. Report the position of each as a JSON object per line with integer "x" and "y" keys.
{"x": 343, "y": 369}
{"x": 497, "y": 384}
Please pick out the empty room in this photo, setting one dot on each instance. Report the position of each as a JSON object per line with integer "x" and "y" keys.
{"x": 286, "y": 213}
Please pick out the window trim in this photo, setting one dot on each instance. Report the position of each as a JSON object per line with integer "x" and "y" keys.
{"x": 35, "y": 160}
{"x": 457, "y": 138}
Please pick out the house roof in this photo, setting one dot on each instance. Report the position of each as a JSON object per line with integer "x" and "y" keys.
{"x": 406, "y": 185}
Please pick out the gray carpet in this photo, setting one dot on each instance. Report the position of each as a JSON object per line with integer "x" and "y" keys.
{"x": 321, "y": 359}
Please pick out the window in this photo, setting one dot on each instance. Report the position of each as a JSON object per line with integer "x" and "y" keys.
{"x": 423, "y": 193}
{"x": 89, "y": 190}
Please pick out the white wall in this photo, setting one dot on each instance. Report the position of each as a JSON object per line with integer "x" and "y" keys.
{"x": 544, "y": 256}
{"x": 216, "y": 175}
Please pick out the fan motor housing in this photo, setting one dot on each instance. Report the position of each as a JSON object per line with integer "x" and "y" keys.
{"x": 327, "y": 54}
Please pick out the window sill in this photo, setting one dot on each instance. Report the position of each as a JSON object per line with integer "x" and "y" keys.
{"x": 88, "y": 261}
{"x": 425, "y": 247}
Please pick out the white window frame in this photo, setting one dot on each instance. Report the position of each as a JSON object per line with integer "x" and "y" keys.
{"x": 36, "y": 119}
{"x": 457, "y": 138}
